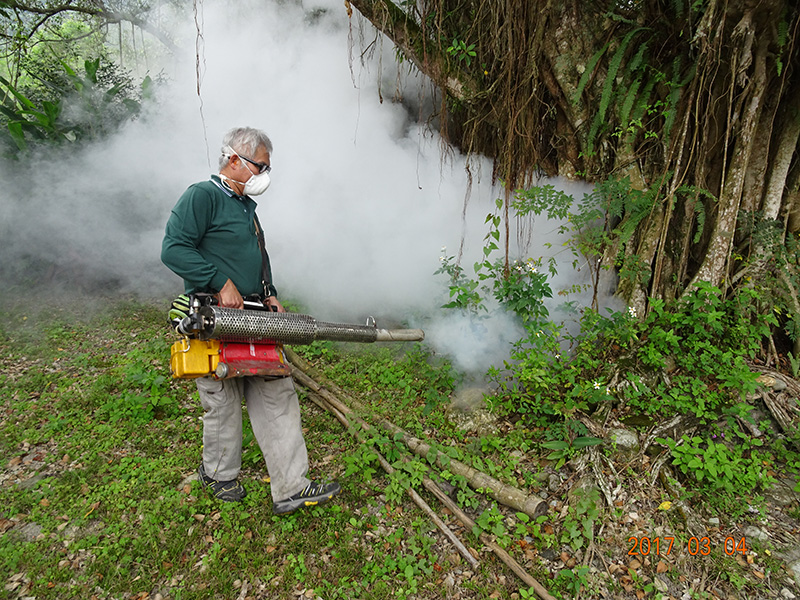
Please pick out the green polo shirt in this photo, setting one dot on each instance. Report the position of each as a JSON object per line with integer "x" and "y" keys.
{"x": 210, "y": 237}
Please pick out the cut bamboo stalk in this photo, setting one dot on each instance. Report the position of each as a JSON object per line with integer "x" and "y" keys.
{"x": 507, "y": 495}
{"x": 418, "y": 500}
{"x": 507, "y": 559}
{"x": 328, "y": 401}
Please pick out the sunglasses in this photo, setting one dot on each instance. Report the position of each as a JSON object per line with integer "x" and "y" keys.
{"x": 262, "y": 167}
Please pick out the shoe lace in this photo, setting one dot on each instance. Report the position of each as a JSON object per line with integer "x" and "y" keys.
{"x": 313, "y": 489}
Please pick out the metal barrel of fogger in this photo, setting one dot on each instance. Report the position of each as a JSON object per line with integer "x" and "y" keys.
{"x": 238, "y": 325}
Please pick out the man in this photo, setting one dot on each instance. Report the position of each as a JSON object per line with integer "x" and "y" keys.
{"x": 212, "y": 242}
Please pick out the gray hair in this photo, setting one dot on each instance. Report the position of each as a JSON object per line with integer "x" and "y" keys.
{"x": 246, "y": 140}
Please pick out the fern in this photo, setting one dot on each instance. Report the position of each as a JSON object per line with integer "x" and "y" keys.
{"x": 587, "y": 73}
{"x": 699, "y": 207}
{"x": 608, "y": 87}
{"x": 613, "y": 68}
{"x": 596, "y": 123}
{"x": 783, "y": 33}
{"x": 636, "y": 61}
{"x": 670, "y": 112}
{"x": 783, "y": 36}
{"x": 627, "y": 104}
{"x": 795, "y": 362}
{"x": 641, "y": 102}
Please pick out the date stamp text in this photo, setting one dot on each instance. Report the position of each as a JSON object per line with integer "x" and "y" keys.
{"x": 663, "y": 546}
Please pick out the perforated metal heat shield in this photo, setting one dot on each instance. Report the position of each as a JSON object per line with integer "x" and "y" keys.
{"x": 236, "y": 325}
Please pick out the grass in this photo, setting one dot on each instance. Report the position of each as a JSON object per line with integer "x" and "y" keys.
{"x": 97, "y": 499}
{"x": 98, "y": 443}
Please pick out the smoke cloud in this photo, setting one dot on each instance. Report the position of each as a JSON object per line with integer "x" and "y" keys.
{"x": 361, "y": 202}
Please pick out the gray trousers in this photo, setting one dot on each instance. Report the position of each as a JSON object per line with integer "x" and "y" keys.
{"x": 274, "y": 412}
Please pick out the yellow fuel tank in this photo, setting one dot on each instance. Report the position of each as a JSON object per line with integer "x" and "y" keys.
{"x": 194, "y": 358}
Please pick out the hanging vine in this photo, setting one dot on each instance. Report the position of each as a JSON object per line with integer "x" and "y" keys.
{"x": 693, "y": 102}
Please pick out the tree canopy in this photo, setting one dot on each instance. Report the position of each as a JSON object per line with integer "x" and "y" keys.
{"x": 694, "y": 103}
{"x": 689, "y": 105}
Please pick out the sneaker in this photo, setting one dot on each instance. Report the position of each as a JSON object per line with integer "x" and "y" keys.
{"x": 313, "y": 494}
{"x": 227, "y": 491}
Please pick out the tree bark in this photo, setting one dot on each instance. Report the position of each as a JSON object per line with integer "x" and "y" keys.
{"x": 699, "y": 96}
{"x": 713, "y": 267}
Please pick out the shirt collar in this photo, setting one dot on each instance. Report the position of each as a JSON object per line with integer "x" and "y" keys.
{"x": 248, "y": 204}
{"x": 216, "y": 180}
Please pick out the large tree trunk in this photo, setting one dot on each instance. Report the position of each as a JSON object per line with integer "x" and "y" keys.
{"x": 699, "y": 101}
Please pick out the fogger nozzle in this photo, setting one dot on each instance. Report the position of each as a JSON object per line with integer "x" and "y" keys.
{"x": 241, "y": 325}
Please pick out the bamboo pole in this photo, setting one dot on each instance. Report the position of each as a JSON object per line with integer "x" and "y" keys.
{"x": 507, "y": 495}
{"x": 418, "y": 500}
{"x": 509, "y": 561}
{"x": 328, "y": 401}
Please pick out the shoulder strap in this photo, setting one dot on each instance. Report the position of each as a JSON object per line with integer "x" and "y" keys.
{"x": 266, "y": 270}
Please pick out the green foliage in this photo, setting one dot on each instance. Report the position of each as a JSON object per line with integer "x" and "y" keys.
{"x": 414, "y": 377}
{"x": 587, "y": 73}
{"x": 461, "y": 51}
{"x": 773, "y": 274}
{"x": 61, "y": 82}
{"x": 686, "y": 357}
{"x": 572, "y": 580}
{"x": 146, "y": 392}
{"x": 733, "y": 469}
{"x": 630, "y": 83}
{"x": 363, "y": 461}
{"x": 608, "y": 215}
{"x": 492, "y": 522}
{"x": 463, "y": 290}
{"x": 578, "y": 526}
{"x": 795, "y": 364}
{"x": 519, "y": 288}
{"x": 708, "y": 339}
{"x": 610, "y": 81}
{"x": 407, "y": 474}
{"x": 80, "y": 108}
{"x": 563, "y": 450}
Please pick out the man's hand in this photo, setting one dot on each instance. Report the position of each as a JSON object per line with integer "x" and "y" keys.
{"x": 273, "y": 301}
{"x": 229, "y": 296}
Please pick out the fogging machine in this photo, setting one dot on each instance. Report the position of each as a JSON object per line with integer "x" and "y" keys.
{"x": 229, "y": 342}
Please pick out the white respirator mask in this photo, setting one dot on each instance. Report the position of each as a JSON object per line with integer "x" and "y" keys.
{"x": 258, "y": 182}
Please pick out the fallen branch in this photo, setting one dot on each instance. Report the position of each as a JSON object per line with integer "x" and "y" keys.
{"x": 509, "y": 496}
{"x": 595, "y": 459}
{"x": 324, "y": 399}
{"x": 418, "y": 500}
{"x": 782, "y": 404}
{"x": 531, "y": 505}
{"x": 785, "y": 410}
{"x": 507, "y": 559}
{"x": 677, "y": 426}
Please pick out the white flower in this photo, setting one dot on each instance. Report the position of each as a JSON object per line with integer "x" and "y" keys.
{"x": 632, "y": 311}
{"x": 596, "y": 385}
{"x": 443, "y": 250}
{"x": 441, "y": 259}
